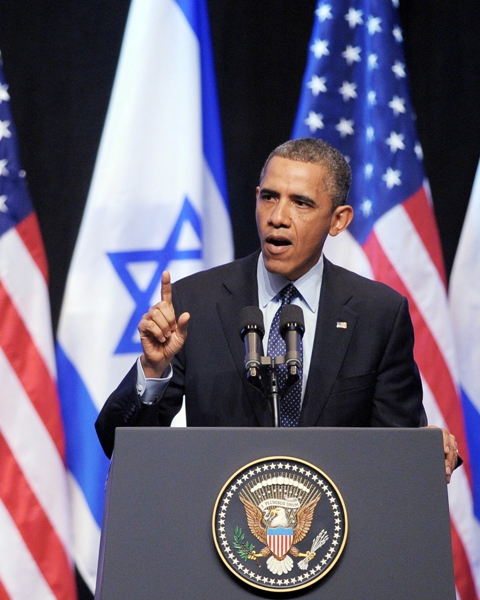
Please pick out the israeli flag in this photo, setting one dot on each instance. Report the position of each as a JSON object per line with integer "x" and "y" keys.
{"x": 157, "y": 200}
{"x": 465, "y": 310}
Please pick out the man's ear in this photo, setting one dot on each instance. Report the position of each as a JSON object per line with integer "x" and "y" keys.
{"x": 341, "y": 219}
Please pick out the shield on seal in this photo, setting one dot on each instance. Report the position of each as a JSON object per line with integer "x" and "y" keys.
{"x": 279, "y": 540}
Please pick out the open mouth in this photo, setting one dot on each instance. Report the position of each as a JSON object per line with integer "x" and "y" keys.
{"x": 276, "y": 241}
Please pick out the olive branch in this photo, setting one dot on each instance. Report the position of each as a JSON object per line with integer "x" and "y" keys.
{"x": 246, "y": 550}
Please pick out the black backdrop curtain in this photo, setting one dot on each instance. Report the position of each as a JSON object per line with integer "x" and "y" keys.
{"x": 60, "y": 57}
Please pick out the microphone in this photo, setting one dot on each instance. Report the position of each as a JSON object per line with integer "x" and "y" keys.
{"x": 292, "y": 328}
{"x": 252, "y": 332}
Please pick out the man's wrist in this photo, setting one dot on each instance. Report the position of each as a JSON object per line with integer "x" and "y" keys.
{"x": 154, "y": 370}
{"x": 151, "y": 389}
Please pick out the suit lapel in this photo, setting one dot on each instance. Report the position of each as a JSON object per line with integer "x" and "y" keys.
{"x": 240, "y": 290}
{"x": 335, "y": 325}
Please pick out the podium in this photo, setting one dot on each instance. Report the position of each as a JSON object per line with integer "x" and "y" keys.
{"x": 157, "y": 539}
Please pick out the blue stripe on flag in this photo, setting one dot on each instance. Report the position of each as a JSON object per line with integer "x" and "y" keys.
{"x": 85, "y": 457}
{"x": 472, "y": 427}
{"x": 197, "y": 15}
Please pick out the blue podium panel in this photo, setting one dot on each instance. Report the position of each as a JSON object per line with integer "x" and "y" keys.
{"x": 157, "y": 539}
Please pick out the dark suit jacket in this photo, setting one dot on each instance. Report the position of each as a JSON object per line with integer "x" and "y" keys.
{"x": 363, "y": 375}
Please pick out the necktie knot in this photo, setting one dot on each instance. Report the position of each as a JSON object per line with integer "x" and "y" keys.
{"x": 288, "y": 293}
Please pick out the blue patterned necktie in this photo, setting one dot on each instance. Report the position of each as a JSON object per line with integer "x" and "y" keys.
{"x": 291, "y": 402}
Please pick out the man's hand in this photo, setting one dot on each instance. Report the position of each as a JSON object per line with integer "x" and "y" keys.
{"x": 450, "y": 449}
{"x": 162, "y": 336}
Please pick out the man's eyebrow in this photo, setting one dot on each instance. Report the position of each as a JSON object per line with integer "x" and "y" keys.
{"x": 295, "y": 197}
{"x": 269, "y": 192}
{"x": 301, "y": 198}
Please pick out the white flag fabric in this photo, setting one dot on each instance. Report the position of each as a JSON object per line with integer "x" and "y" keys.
{"x": 157, "y": 200}
{"x": 35, "y": 526}
{"x": 464, "y": 294}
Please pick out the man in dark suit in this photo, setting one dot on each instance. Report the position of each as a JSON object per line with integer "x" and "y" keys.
{"x": 358, "y": 368}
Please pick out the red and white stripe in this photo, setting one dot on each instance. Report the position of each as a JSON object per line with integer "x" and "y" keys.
{"x": 404, "y": 252}
{"x": 35, "y": 527}
{"x": 279, "y": 543}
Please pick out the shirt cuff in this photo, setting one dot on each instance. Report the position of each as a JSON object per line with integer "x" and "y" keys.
{"x": 150, "y": 390}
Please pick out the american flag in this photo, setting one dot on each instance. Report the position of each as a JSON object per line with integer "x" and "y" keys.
{"x": 34, "y": 515}
{"x": 355, "y": 95}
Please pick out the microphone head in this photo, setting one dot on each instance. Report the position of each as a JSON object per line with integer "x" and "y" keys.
{"x": 291, "y": 317}
{"x": 251, "y": 318}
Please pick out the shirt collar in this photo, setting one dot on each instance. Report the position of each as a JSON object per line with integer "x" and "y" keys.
{"x": 309, "y": 285}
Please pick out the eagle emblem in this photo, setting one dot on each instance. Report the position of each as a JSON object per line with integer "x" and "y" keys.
{"x": 279, "y": 524}
{"x": 280, "y": 530}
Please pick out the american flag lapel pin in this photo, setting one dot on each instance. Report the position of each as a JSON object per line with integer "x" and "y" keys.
{"x": 341, "y": 324}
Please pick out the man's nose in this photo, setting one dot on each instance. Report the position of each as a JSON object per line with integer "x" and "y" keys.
{"x": 280, "y": 214}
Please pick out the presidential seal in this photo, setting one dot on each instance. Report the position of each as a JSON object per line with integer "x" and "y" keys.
{"x": 280, "y": 524}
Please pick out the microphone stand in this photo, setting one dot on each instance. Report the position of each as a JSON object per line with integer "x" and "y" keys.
{"x": 274, "y": 392}
{"x": 274, "y": 396}
{"x": 267, "y": 366}
{"x": 255, "y": 378}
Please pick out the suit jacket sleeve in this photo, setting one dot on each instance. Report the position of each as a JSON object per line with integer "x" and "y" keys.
{"x": 398, "y": 390}
{"x": 123, "y": 408}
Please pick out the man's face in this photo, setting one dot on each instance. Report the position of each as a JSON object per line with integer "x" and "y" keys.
{"x": 294, "y": 216}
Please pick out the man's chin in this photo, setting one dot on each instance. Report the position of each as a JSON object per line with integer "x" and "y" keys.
{"x": 277, "y": 267}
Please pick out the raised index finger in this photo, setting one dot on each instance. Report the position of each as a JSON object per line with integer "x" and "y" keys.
{"x": 166, "y": 288}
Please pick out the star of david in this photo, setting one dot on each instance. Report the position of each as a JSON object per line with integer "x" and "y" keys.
{"x": 163, "y": 256}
